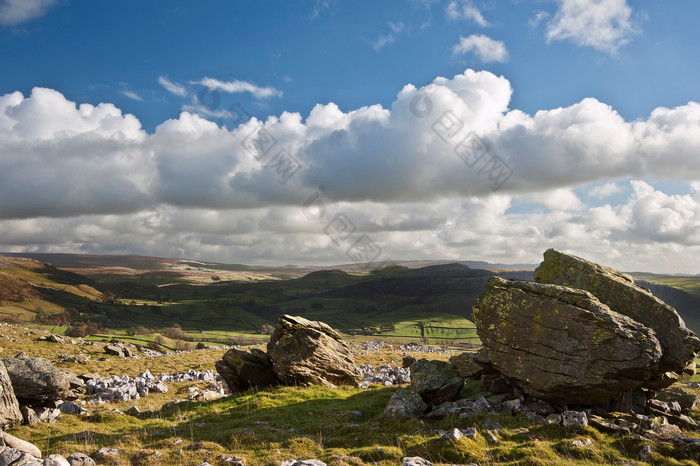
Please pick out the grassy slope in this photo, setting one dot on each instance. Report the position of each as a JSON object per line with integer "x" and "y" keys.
{"x": 426, "y": 303}
{"x": 269, "y": 426}
{"x": 432, "y": 303}
{"x": 688, "y": 284}
{"x": 28, "y": 288}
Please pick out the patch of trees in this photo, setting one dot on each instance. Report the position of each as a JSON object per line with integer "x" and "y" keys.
{"x": 80, "y": 329}
{"x": 56, "y": 318}
{"x": 175, "y": 332}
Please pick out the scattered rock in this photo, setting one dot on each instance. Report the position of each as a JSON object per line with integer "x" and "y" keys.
{"x": 105, "y": 453}
{"x": 49, "y": 414}
{"x": 8, "y": 455}
{"x": 29, "y": 415}
{"x": 68, "y": 407}
{"x": 470, "y": 433}
{"x": 607, "y": 425}
{"x": 444, "y": 409}
{"x": 232, "y": 460}
{"x": 687, "y": 401}
{"x": 25, "y": 459}
{"x": 645, "y": 453}
{"x": 405, "y": 404}
{"x": 662, "y": 430}
{"x": 415, "y": 461}
{"x": 302, "y": 463}
{"x": 80, "y": 459}
{"x": 53, "y": 338}
{"x": 114, "y": 350}
{"x": 21, "y": 445}
{"x": 56, "y": 460}
{"x": 305, "y": 352}
{"x": 573, "y": 420}
{"x": 384, "y": 375}
{"x": 452, "y": 435}
{"x": 491, "y": 437}
{"x": 490, "y": 424}
{"x": 435, "y": 381}
{"x": 512, "y": 407}
{"x": 582, "y": 443}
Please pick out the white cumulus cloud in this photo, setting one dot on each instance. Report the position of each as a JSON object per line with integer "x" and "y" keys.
{"x": 433, "y": 175}
{"x": 488, "y": 50}
{"x": 605, "y": 25}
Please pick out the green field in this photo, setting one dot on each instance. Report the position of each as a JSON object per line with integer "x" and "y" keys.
{"x": 432, "y": 305}
{"x": 690, "y": 285}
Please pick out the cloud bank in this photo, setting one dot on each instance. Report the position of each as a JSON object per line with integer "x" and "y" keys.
{"x": 442, "y": 173}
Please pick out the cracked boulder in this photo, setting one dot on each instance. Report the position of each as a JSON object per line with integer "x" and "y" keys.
{"x": 562, "y": 344}
{"x": 37, "y": 380}
{"x": 10, "y": 414}
{"x": 242, "y": 370}
{"x": 618, "y": 291}
{"x": 305, "y": 352}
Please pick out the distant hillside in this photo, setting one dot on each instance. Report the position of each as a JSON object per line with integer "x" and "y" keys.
{"x": 32, "y": 291}
{"x": 160, "y": 270}
{"x": 687, "y": 305}
{"x": 121, "y": 292}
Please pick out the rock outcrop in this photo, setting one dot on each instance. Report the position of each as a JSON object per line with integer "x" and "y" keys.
{"x": 10, "y": 414}
{"x": 619, "y": 292}
{"x": 562, "y": 344}
{"x": 435, "y": 381}
{"x": 37, "y": 380}
{"x": 242, "y": 370}
{"x": 305, "y": 352}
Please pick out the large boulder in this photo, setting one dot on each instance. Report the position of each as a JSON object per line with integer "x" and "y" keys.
{"x": 562, "y": 344}
{"x": 305, "y": 352}
{"x": 242, "y": 370}
{"x": 10, "y": 415}
{"x": 435, "y": 381}
{"x": 619, "y": 292}
{"x": 37, "y": 380}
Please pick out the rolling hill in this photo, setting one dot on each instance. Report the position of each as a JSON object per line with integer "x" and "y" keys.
{"x": 212, "y": 300}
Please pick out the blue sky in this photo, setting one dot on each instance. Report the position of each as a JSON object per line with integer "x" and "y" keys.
{"x": 124, "y": 128}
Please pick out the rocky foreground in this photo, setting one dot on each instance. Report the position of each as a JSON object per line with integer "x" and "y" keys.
{"x": 582, "y": 347}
